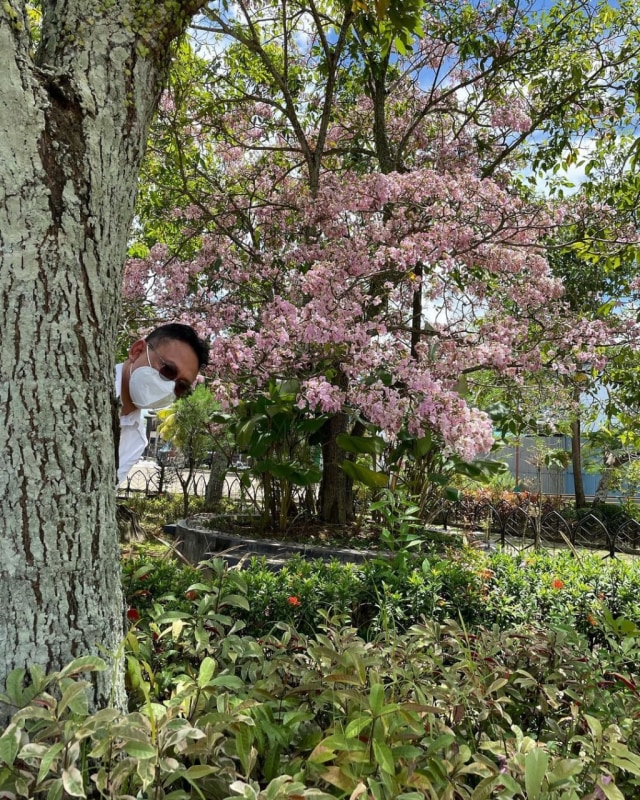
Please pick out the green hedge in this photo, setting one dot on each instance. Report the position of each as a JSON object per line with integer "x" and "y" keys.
{"x": 393, "y": 594}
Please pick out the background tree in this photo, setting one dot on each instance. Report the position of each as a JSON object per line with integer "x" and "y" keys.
{"x": 347, "y": 188}
{"x": 188, "y": 425}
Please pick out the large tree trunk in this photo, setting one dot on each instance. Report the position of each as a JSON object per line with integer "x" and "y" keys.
{"x": 73, "y": 125}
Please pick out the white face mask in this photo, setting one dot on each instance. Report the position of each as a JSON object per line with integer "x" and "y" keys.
{"x": 148, "y": 389}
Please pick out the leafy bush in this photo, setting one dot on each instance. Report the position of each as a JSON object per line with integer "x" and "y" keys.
{"x": 394, "y": 593}
{"x": 147, "y": 581}
{"x": 532, "y": 692}
{"x": 154, "y": 512}
{"x": 436, "y": 712}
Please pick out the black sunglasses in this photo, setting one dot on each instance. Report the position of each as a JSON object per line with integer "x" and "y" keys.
{"x": 170, "y": 373}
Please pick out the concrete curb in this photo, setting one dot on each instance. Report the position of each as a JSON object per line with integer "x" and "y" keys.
{"x": 196, "y": 543}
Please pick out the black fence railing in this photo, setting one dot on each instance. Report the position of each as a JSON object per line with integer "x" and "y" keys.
{"x": 528, "y": 527}
{"x": 155, "y": 480}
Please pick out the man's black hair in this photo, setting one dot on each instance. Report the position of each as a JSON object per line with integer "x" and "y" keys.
{"x": 182, "y": 333}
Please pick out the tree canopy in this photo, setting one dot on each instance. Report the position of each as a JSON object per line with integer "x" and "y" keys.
{"x": 350, "y": 201}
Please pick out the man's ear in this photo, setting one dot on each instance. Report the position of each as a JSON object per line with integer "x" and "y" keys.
{"x": 137, "y": 349}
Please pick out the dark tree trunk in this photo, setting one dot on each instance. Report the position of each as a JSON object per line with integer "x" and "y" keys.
{"x": 215, "y": 485}
{"x": 128, "y": 526}
{"x": 576, "y": 460}
{"x": 336, "y": 489}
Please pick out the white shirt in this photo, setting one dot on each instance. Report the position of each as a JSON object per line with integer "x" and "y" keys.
{"x": 133, "y": 435}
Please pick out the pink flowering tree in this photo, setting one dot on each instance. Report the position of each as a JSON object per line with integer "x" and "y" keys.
{"x": 344, "y": 216}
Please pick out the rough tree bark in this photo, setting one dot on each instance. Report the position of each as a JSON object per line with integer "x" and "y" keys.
{"x": 611, "y": 463}
{"x": 215, "y": 484}
{"x": 336, "y": 488}
{"x": 74, "y": 118}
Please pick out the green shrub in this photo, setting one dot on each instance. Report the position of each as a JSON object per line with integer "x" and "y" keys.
{"x": 394, "y": 593}
{"x": 477, "y": 677}
{"x": 154, "y": 512}
{"x": 147, "y": 581}
{"x": 435, "y": 712}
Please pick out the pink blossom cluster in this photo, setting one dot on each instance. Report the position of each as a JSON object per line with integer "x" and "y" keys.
{"x": 512, "y": 115}
{"x": 319, "y": 394}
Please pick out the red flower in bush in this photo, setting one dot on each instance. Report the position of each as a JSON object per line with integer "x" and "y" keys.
{"x": 293, "y": 600}
{"x": 558, "y": 584}
{"x": 133, "y": 615}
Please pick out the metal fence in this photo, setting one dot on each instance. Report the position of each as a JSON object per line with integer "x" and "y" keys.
{"x": 520, "y": 528}
{"x": 154, "y": 479}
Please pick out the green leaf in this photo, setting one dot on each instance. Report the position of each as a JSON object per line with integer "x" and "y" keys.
{"x": 356, "y": 726}
{"x": 357, "y": 472}
{"x": 75, "y": 697}
{"x": 490, "y": 467}
{"x": 141, "y": 572}
{"x": 141, "y": 750}
{"x": 469, "y": 470}
{"x": 235, "y": 601}
{"x": 372, "y": 445}
{"x": 422, "y": 446}
{"x": 34, "y": 712}
{"x": 484, "y": 790}
{"x": 227, "y": 682}
{"x": 38, "y": 678}
{"x": 441, "y": 742}
{"x": 199, "y": 771}
{"x": 82, "y": 664}
{"x": 384, "y": 757}
{"x": 288, "y": 389}
{"x": 9, "y": 744}
{"x": 295, "y": 474}
{"x": 244, "y": 740}
{"x": 312, "y": 424}
{"x": 376, "y": 699}
{"x": 535, "y": 768}
{"x": 14, "y": 689}
{"x": 55, "y": 790}
{"x": 205, "y": 673}
{"x": 563, "y": 769}
{"x": 621, "y": 757}
{"x": 272, "y": 761}
{"x": 245, "y": 430}
{"x": 72, "y": 782}
{"x": 48, "y": 758}
{"x": 595, "y": 727}
{"x": 610, "y": 790}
